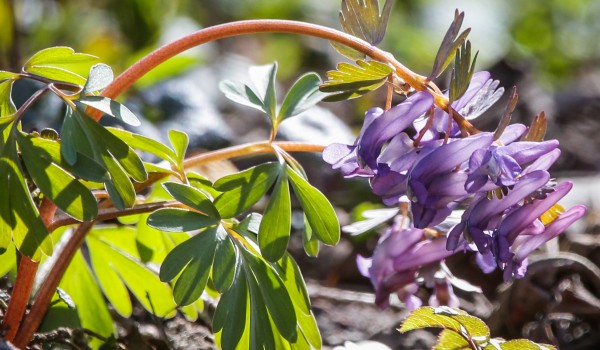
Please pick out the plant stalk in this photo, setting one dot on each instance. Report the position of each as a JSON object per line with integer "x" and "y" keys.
{"x": 227, "y": 30}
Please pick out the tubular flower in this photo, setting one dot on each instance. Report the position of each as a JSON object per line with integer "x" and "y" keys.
{"x": 396, "y": 260}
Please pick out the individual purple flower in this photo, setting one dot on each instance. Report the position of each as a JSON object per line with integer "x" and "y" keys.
{"x": 501, "y": 165}
{"x": 396, "y": 260}
{"x": 435, "y": 183}
{"x": 379, "y": 127}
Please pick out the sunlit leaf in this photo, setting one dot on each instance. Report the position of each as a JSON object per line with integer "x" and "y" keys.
{"x": 61, "y": 64}
{"x": 462, "y": 72}
{"x": 242, "y": 94}
{"x": 242, "y": 190}
{"x": 309, "y": 240}
{"x": 179, "y": 140}
{"x": 363, "y": 19}
{"x": 447, "y": 318}
{"x": 55, "y": 183}
{"x": 319, "y": 212}
{"x": 146, "y": 144}
{"x": 302, "y": 95}
{"x": 7, "y": 106}
{"x": 99, "y": 78}
{"x": 450, "y": 340}
{"x": 274, "y": 231}
{"x": 92, "y": 310}
{"x": 8, "y": 259}
{"x": 232, "y": 315}
{"x": 117, "y": 266}
{"x": 524, "y": 344}
{"x": 112, "y": 108}
{"x": 4, "y": 75}
{"x": 349, "y": 81}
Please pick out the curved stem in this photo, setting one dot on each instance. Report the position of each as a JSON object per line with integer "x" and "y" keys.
{"x": 250, "y": 148}
{"x": 143, "y": 66}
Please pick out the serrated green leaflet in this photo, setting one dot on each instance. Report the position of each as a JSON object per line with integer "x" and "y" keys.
{"x": 92, "y": 310}
{"x": 19, "y": 217}
{"x": 302, "y": 95}
{"x": 450, "y": 340}
{"x": 192, "y": 197}
{"x": 274, "y": 231}
{"x": 112, "y": 108}
{"x": 362, "y": 19}
{"x": 319, "y": 212}
{"x": 55, "y": 183}
{"x": 61, "y": 64}
{"x": 242, "y": 190}
{"x": 100, "y": 77}
{"x": 145, "y": 144}
{"x": 349, "y": 81}
{"x": 193, "y": 259}
{"x": 179, "y": 220}
{"x": 117, "y": 266}
{"x": 447, "y": 318}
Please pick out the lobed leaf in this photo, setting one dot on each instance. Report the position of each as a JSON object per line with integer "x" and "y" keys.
{"x": 349, "y": 81}
{"x": 319, "y": 212}
{"x": 451, "y": 42}
{"x": 462, "y": 72}
{"x": 242, "y": 190}
{"x": 450, "y": 319}
{"x": 362, "y": 18}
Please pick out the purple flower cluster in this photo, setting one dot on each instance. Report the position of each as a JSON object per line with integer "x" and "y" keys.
{"x": 501, "y": 181}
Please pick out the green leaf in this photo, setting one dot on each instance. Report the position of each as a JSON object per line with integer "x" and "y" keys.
{"x": 112, "y": 108}
{"x": 242, "y": 94}
{"x": 263, "y": 78}
{"x": 225, "y": 265}
{"x": 99, "y": 78}
{"x": 4, "y": 75}
{"x": 451, "y": 42}
{"x": 83, "y": 288}
{"x": 242, "y": 190}
{"x": 274, "y": 231}
{"x": 117, "y": 266}
{"x": 61, "y": 64}
{"x": 8, "y": 258}
{"x": 179, "y": 140}
{"x": 19, "y": 216}
{"x": 349, "y": 81}
{"x": 192, "y": 259}
{"x": 146, "y": 144}
{"x": 179, "y": 220}
{"x": 319, "y": 212}
{"x": 447, "y": 318}
{"x": 192, "y": 197}
{"x": 302, "y": 95}
{"x": 309, "y": 240}
{"x": 362, "y": 19}
{"x": 524, "y": 344}
{"x": 55, "y": 183}
{"x": 450, "y": 340}
{"x": 232, "y": 315}
{"x": 7, "y": 106}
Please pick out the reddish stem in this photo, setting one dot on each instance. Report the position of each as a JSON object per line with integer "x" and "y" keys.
{"x": 143, "y": 66}
{"x": 24, "y": 282}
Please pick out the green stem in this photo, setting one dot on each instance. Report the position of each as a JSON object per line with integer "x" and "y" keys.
{"x": 227, "y": 30}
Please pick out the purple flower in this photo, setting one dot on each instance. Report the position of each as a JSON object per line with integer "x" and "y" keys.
{"x": 501, "y": 165}
{"x": 379, "y": 127}
{"x": 396, "y": 260}
{"x": 435, "y": 183}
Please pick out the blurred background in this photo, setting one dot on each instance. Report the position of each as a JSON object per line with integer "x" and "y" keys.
{"x": 549, "y": 49}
